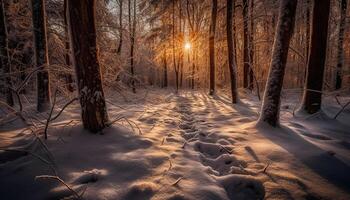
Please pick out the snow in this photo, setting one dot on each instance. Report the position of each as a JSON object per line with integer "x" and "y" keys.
{"x": 190, "y": 146}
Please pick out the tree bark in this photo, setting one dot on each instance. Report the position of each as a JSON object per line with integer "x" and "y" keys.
{"x": 5, "y": 67}
{"x": 245, "y": 44}
{"x": 132, "y": 26}
{"x": 212, "y": 47}
{"x": 85, "y": 58}
{"x": 340, "y": 53}
{"x": 316, "y": 63}
{"x": 120, "y": 27}
{"x": 271, "y": 102}
{"x": 41, "y": 55}
{"x": 230, "y": 46}
{"x": 68, "y": 76}
{"x": 165, "y": 70}
{"x": 251, "y": 46}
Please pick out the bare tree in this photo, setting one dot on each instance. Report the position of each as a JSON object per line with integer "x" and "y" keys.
{"x": 41, "y": 55}
{"x": 5, "y": 67}
{"x": 132, "y": 27}
{"x": 212, "y": 46}
{"x": 81, "y": 17}
{"x": 230, "y": 46}
{"x": 120, "y": 27}
{"x": 340, "y": 53}
{"x": 316, "y": 63}
{"x": 271, "y": 102}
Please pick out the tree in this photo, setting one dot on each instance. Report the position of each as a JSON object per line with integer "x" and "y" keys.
{"x": 316, "y": 63}
{"x": 132, "y": 27}
{"x": 68, "y": 76}
{"x": 81, "y": 18}
{"x": 247, "y": 73}
{"x": 120, "y": 27}
{"x": 271, "y": 102}
{"x": 230, "y": 46}
{"x": 340, "y": 53}
{"x": 212, "y": 47}
{"x": 5, "y": 67}
{"x": 41, "y": 57}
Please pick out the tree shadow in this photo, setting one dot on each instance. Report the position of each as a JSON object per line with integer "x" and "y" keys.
{"x": 324, "y": 164}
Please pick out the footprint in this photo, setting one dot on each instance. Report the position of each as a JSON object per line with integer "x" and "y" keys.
{"x": 209, "y": 149}
{"x": 223, "y": 163}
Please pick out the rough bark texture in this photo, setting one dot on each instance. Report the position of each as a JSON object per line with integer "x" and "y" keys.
{"x": 41, "y": 58}
{"x": 245, "y": 44}
{"x": 230, "y": 45}
{"x": 68, "y": 76}
{"x": 85, "y": 58}
{"x": 271, "y": 102}
{"x": 5, "y": 67}
{"x": 165, "y": 70}
{"x": 340, "y": 54}
{"x": 120, "y": 27}
{"x": 132, "y": 26}
{"x": 251, "y": 46}
{"x": 212, "y": 47}
{"x": 316, "y": 64}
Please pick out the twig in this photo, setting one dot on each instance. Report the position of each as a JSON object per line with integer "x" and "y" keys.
{"x": 50, "y": 114}
{"x": 61, "y": 181}
{"x": 341, "y": 110}
{"x": 64, "y": 107}
{"x": 34, "y": 155}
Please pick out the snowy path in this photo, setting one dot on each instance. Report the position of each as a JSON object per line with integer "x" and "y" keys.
{"x": 192, "y": 146}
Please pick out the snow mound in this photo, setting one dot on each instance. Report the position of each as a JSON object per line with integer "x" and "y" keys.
{"x": 140, "y": 190}
{"x": 242, "y": 187}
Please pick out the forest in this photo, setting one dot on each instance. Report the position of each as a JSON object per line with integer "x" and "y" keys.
{"x": 174, "y": 99}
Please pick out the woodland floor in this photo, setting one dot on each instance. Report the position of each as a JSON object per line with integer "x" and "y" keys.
{"x": 182, "y": 147}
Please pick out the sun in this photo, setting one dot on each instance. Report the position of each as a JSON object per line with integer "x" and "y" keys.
{"x": 187, "y": 46}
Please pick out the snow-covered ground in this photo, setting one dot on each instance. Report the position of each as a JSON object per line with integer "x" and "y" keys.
{"x": 181, "y": 147}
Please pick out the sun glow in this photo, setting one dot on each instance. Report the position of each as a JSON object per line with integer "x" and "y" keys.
{"x": 187, "y": 46}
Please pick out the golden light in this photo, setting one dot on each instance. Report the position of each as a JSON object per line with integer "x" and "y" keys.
{"x": 187, "y": 46}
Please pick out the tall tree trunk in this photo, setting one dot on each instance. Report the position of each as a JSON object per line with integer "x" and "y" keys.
{"x": 230, "y": 45}
{"x": 68, "y": 76}
{"x": 5, "y": 67}
{"x": 174, "y": 50}
{"x": 120, "y": 27}
{"x": 132, "y": 26}
{"x": 316, "y": 65}
{"x": 245, "y": 44}
{"x": 271, "y": 102}
{"x": 308, "y": 6}
{"x": 165, "y": 70}
{"x": 251, "y": 46}
{"x": 212, "y": 47}
{"x": 340, "y": 53}
{"x": 85, "y": 56}
{"x": 41, "y": 55}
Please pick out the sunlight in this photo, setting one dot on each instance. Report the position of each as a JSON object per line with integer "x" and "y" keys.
{"x": 187, "y": 46}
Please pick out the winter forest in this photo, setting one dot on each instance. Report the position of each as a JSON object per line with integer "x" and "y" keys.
{"x": 175, "y": 99}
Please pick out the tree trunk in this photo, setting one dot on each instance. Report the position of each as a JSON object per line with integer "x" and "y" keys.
{"x": 230, "y": 49}
{"x": 316, "y": 65}
{"x": 132, "y": 26}
{"x": 251, "y": 46}
{"x": 340, "y": 53}
{"x": 85, "y": 56}
{"x": 5, "y": 67}
{"x": 308, "y": 5}
{"x": 68, "y": 76}
{"x": 212, "y": 47}
{"x": 271, "y": 102}
{"x": 165, "y": 71}
{"x": 41, "y": 55}
{"x": 245, "y": 45}
{"x": 120, "y": 27}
